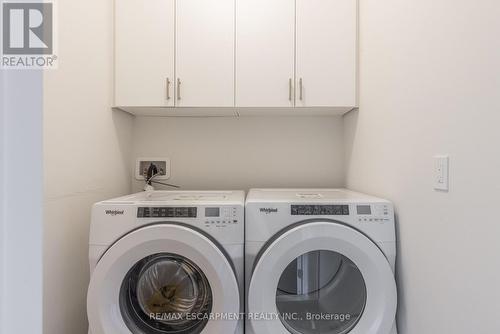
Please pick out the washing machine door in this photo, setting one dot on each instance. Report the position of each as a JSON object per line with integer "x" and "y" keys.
{"x": 322, "y": 277}
{"x": 163, "y": 279}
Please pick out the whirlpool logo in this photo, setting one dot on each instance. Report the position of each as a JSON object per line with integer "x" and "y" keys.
{"x": 268, "y": 211}
{"x": 115, "y": 212}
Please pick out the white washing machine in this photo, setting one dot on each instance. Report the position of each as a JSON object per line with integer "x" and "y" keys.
{"x": 167, "y": 262}
{"x": 319, "y": 261}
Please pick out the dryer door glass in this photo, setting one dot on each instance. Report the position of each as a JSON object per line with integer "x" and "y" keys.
{"x": 165, "y": 293}
{"x": 321, "y": 292}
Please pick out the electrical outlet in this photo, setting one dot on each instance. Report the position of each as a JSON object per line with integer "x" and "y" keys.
{"x": 441, "y": 172}
{"x": 162, "y": 165}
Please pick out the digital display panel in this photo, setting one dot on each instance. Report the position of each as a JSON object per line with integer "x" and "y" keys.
{"x": 167, "y": 212}
{"x": 364, "y": 210}
{"x": 212, "y": 212}
{"x": 320, "y": 210}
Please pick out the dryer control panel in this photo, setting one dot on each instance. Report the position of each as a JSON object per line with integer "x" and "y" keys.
{"x": 370, "y": 213}
{"x": 320, "y": 210}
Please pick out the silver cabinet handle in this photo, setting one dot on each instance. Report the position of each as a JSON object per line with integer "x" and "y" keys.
{"x": 178, "y": 89}
{"x": 168, "y": 89}
{"x": 290, "y": 88}
{"x": 300, "y": 89}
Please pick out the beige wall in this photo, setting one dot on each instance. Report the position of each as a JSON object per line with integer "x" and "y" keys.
{"x": 86, "y": 156}
{"x": 245, "y": 152}
{"x": 430, "y": 83}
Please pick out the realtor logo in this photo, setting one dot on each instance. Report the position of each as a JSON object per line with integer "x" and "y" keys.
{"x": 28, "y": 35}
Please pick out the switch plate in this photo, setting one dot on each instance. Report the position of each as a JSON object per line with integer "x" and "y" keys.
{"x": 162, "y": 164}
{"x": 441, "y": 172}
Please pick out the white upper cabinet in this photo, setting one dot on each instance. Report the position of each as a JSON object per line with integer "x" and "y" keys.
{"x": 205, "y": 53}
{"x": 262, "y": 56}
{"x": 144, "y": 53}
{"x": 265, "y": 47}
{"x": 326, "y": 58}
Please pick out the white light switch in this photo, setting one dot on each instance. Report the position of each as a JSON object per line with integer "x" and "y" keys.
{"x": 441, "y": 172}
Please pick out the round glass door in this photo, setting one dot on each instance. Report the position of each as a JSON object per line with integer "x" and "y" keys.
{"x": 321, "y": 292}
{"x": 165, "y": 293}
{"x": 163, "y": 279}
{"x": 322, "y": 277}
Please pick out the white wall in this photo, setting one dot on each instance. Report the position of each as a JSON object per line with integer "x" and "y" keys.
{"x": 2, "y": 195}
{"x": 86, "y": 156}
{"x": 430, "y": 83}
{"x": 21, "y": 201}
{"x": 240, "y": 153}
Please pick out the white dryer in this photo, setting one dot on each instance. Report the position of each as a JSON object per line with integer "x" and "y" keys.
{"x": 167, "y": 262}
{"x": 319, "y": 261}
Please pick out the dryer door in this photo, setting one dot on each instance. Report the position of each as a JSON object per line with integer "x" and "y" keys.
{"x": 322, "y": 278}
{"x": 163, "y": 279}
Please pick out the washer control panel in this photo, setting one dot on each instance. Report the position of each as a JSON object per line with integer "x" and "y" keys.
{"x": 220, "y": 217}
{"x": 370, "y": 213}
{"x": 167, "y": 212}
{"x": 210, "y": 216}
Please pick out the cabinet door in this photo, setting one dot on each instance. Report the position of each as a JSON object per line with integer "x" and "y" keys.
{"x": 326, "y": 53}
{"x": 205, "y": 53}
{"x": 144, "y": 52}
{"x": 265, "y": 50}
